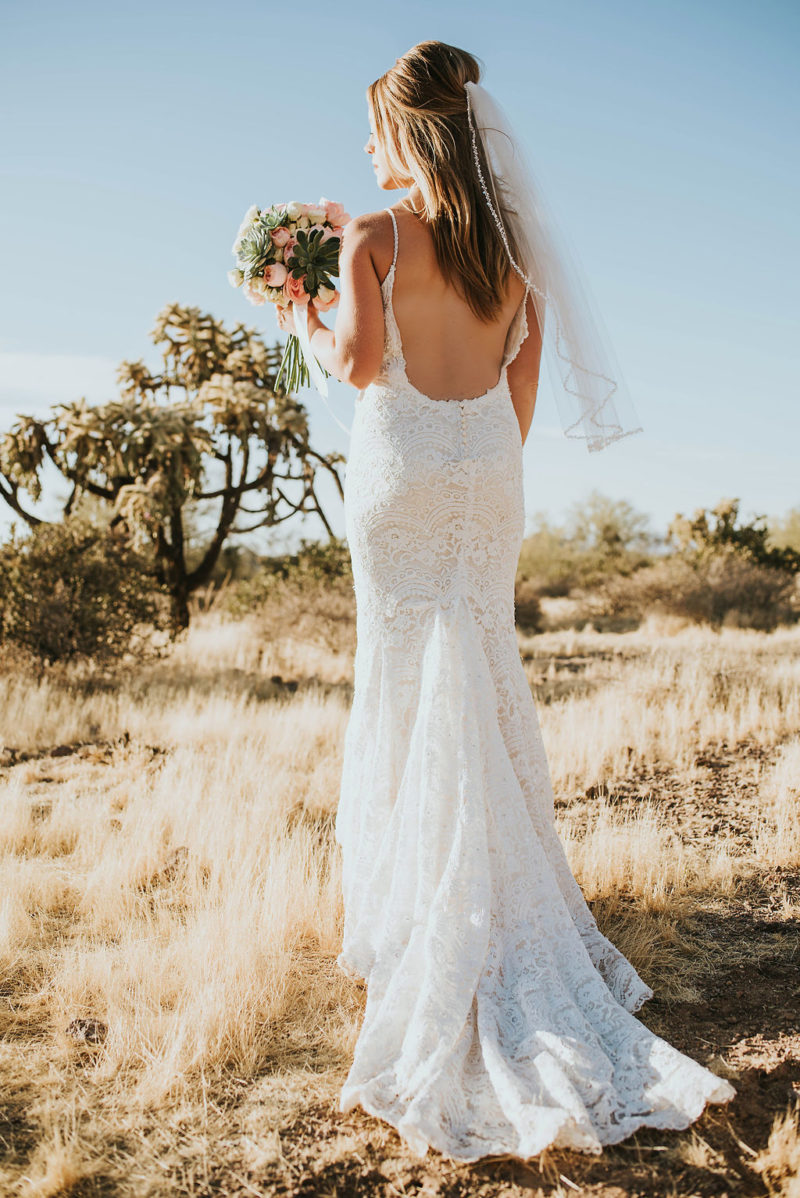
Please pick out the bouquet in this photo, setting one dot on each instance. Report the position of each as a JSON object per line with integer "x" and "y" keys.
{"x": 289, "y": 254}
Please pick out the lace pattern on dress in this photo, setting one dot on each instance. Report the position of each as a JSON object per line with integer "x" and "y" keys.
{"x": 499, "y": 1019}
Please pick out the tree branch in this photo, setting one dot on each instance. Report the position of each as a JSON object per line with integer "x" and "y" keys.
{"x": 230, "y": 506}
{"x": 85, "y": 484}
{"x": 10, "y": 496}
{"x": 70, "y": 502}
{"x": 319, "y": 510}
{"x": 259, "y": 481}
{"x": 312, "y": 453}
{"x": 269, "y": 522}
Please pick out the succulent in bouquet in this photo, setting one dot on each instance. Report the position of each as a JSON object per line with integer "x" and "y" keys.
{"x": 289, "y": 254}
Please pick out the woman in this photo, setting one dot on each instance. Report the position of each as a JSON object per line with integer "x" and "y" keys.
{"x": 499, "y": 1020}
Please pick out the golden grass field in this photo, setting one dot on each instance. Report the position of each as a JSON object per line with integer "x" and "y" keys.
{"x": 172, "y": 1021}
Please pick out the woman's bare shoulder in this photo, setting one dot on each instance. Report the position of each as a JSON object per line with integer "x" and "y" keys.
{"x": 371, "y": 231}
{"x": 369, "y": 224}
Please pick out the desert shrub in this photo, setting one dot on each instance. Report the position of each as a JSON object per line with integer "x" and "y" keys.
{"x": 75, "y": 590}
{"x": 315, "y": 565}
{"x": 784, "y": 532}
{"x": 723, "y": 588}
{"x": 528, "y": 608}
{"x": 306, "y": 595}
{"x": 601, "y": 537}
{"x": 319, "y": 613}
{"x": 721, "y": 530}
{"x": 547, "y": 563}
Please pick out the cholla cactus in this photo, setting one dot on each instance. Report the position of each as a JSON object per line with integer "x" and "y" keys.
{"x": 211, "y": 424}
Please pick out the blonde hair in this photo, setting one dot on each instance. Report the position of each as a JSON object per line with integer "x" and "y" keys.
{"x": 419, "y": 108}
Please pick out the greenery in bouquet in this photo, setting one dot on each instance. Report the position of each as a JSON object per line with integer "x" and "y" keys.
{"x": 289, "y": 254}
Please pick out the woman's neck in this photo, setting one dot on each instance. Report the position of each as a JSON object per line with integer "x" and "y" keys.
{"x": 414, "y": 202}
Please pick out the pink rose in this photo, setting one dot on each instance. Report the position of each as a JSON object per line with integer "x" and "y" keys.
{"x": 288, "y": 248}
{"x": 334, "y": 211}
{"x": 328, "y": 232}
{"x": 275, "y": 274}
{"x": 323, "y": 305}
{"x": 311, "y": 229}
{"x": 295, "y": 290}
{"x": 280, "y": 235}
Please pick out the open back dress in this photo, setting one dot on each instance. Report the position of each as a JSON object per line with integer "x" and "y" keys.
{"x": 498, "y": 1018}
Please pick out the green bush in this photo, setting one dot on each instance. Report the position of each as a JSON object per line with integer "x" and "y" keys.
{"x": 75, "y": 590}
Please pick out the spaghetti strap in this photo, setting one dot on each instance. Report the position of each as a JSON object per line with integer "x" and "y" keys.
{"x": 394, "y": 226}
{"x": 518, "y": 331}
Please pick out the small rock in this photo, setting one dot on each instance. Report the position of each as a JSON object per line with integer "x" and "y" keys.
{"x": 87, "y": 1031}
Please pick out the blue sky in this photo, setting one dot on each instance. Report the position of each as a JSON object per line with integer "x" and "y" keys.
{"x": 664, "y": 132}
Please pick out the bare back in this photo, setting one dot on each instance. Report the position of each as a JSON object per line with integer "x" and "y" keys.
{"x": 449, "y": 352}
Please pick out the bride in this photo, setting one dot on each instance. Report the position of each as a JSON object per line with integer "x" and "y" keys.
{"x": 499, "y": 1019}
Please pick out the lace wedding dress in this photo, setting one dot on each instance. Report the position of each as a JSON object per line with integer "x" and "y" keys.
{"x": 498, "y": 1018}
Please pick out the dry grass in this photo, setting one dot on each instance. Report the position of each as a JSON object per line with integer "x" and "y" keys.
{"x": 779, "y": 1162}
{"x": 171, "y": 1017}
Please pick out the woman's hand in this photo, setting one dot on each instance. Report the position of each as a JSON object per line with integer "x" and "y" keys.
{"x": 285, "y": 319}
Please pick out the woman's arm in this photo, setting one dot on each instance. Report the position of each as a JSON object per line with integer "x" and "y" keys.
{"x": 352, "y": 351}
{"x": 523, "y": 372}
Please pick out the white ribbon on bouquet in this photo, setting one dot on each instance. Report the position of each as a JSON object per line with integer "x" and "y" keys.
{"x": 318, "y": 377}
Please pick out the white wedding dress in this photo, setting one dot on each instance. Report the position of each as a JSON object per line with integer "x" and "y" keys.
{"x": 498, "y": 1018}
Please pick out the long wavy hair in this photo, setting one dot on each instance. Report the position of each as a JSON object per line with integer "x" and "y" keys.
{"x": 419, "y": 107}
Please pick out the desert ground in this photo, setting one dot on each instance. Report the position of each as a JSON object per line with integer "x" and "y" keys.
{"x": 172, "y": 1020}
